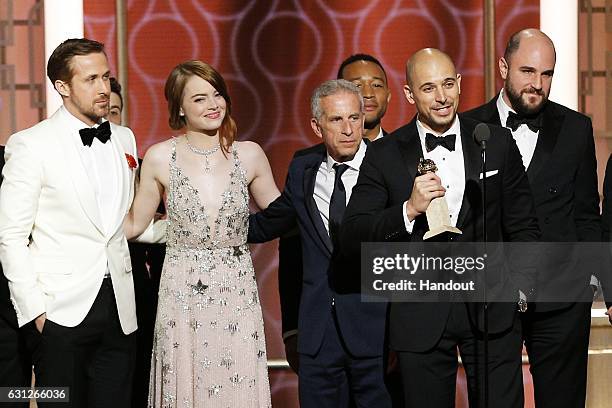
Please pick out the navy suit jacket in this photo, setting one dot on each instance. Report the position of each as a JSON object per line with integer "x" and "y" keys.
{"x": 327, "y": 276}
{"x": 290, "y": 271}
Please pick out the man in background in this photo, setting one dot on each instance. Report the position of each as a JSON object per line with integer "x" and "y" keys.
{"x": 115, "y": 102}
{"x": 368, "y": 74}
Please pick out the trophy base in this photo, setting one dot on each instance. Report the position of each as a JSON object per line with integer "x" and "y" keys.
{"x": 440, "y": 230}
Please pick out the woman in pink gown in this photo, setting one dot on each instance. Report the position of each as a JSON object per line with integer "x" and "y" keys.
{"x": 209, "y": 347}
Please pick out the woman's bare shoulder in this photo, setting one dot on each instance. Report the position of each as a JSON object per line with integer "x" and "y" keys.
{"x": 159, "y": 152}
{"x": 249, "y": 150}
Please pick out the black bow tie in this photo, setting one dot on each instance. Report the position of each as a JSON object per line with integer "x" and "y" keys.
{"x": 534, "y": 123}
{"x": 102, "y": 132}
{"x": 432, "y": 141}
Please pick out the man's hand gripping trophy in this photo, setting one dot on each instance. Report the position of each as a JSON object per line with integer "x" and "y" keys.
{"x": 438, "y": 217}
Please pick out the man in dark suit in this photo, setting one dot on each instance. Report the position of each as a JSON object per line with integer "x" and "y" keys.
{"x": 15, "y": 361}
{"x": 368, "y": 74}
{"x": 558, "y": 151}
{"x": 389, "y": 203}
{"x": 341, "y": 339}
{"x": 606, "y": 232}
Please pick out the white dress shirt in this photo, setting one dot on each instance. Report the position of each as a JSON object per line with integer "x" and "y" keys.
{"x": 101, "y": 163}
{"x": 324, "y": 182}
{"x": 379, "y": 135}
{"x": 451, "y": 170}
{"x": 524, "y": 137}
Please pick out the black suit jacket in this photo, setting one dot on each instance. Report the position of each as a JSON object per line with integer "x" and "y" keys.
{"x": 290, "y": 271}
{"x": 563, "y": 179}
{"x": 326, "y": 276}
{"x": 606, "y": 228}
{"x": 375, "y": 214}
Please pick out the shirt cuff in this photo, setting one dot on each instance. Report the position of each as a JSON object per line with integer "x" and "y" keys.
{"x": 288, "y": 334}
{"x": 155, "y": 233}
{"x": 407, "y": 223}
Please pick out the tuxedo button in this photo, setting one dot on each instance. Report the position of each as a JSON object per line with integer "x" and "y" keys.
{"x": 552, "y": 190}
{"x": 546, "y": 220}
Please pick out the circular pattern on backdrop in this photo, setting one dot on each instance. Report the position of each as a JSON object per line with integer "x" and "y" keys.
{"x": 246, "y": 109}
{"x": 349, "y": 9}
{"x": 153, "y": 34}
{"x": 298, "y": 40}
{"x": 463, "y": 7}
{"x": 396, "y": 40}
{"x": 513, "y": 22}
{"x": 222, "y": 10}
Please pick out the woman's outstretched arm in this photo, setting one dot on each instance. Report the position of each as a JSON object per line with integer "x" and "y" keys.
{"x": 149, "y": 191}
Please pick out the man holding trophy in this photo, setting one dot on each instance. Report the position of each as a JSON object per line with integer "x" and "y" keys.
{"x": 389, "y": 204}
{"x": 438, "y": 215}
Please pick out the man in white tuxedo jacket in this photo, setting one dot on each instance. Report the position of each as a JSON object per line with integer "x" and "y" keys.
{"x": 64, "y": 197}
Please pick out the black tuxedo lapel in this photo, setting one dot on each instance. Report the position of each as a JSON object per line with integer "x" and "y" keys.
{"x": 310, "y": 176}
{"x": 410, "y": 148}
{"x": 547, "y": 139}
{"x": 492, "y": 114}
{"x": 471, "y": 164}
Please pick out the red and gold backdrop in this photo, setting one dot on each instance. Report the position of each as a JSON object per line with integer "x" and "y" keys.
{"x": 272, "y": 55}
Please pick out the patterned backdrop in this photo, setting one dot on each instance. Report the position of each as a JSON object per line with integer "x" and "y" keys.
{"x": 273, "y": 53}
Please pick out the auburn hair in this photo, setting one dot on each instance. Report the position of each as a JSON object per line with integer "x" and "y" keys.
{"x": 175, "y": 87}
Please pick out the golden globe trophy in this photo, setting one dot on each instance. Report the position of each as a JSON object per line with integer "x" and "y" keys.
{"x": 437, "y": 211}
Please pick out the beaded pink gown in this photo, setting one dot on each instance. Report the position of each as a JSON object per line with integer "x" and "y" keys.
{"x": 209, "y": 347}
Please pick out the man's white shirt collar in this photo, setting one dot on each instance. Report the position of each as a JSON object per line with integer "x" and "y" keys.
{"x": 354, "y": 164}
{"x": 525, "y": 138}
{"x": 503, "y": 109}
{"x": 75, "y": 123}
{"x": 379, "y": 135}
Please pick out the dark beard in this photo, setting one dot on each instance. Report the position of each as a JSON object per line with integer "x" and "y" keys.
{"x": 520, "y": 107}
{"x": 371, "y": 125}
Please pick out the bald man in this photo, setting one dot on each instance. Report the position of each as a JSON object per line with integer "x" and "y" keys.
{"x": 388, "y": 204}
{"x": 558, "y": 151}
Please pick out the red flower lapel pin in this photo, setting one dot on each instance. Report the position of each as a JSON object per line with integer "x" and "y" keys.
{"x": 132, "y": 163}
